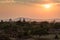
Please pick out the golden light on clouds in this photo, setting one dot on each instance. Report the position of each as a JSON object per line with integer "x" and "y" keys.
{"x": 34, "y": 9}
{"x": 47, "y": 6}
{"x": 49, "y": 10}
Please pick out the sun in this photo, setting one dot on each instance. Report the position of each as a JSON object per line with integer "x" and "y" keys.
{"x": 47, "y": 6}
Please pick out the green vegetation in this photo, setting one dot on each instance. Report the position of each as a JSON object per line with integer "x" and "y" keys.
{"x": 23, "y": 30}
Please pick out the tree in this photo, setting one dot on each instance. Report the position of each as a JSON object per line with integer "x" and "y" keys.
{"x": 4, "y": 37}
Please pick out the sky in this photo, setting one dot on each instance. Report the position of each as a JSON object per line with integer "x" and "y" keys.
{"x": 30, "y": 9}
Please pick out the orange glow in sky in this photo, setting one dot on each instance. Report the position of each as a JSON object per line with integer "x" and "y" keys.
{"x": 31, "y": 9}
{"x": 47, "y": 6}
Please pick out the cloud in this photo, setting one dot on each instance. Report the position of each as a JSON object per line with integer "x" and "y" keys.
{"x": 38, "y": 1}
{"x": 7, "y": 1}
{"x": 56, "y": 1}
{"x": 29, "y": 1}
{"x": 20, "y": 1}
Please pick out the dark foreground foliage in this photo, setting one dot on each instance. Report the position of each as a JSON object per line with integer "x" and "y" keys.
{"x": 23, "y": 30}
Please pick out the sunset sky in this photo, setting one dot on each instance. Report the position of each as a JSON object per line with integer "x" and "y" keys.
{"x": 36, "y": 9}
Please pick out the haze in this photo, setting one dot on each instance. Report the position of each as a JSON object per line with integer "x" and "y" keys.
{"x": 29, "y": 9}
